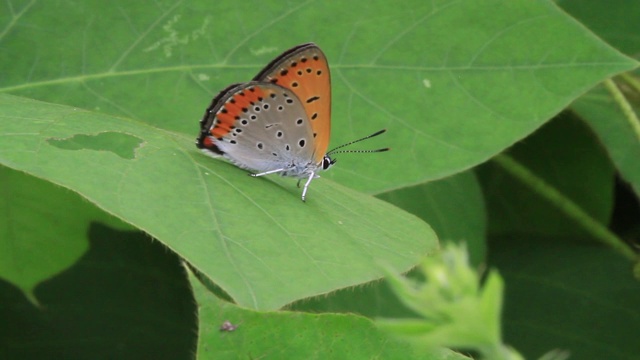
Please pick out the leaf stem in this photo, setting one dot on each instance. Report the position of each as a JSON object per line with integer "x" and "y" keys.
{"x": 625, "y": 106}
{"x": 631, "y": 80}
{"x": 566, "y": 205}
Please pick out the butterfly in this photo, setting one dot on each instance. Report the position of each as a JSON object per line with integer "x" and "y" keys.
{"x": 278, "y": 123}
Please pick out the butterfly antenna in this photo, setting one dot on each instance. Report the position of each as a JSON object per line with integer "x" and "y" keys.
{"x": 333, "y": 151}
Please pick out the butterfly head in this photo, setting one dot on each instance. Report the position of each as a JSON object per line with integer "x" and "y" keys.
{"x": 327, "y": 162}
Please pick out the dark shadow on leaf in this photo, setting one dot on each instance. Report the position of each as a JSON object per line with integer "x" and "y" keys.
{"x": 126, "y": 298}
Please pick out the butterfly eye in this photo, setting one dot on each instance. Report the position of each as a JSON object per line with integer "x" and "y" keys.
{"x": 327, "y": 162}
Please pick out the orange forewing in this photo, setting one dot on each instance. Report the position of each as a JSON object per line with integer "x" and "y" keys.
{"x": 305, "y": 71}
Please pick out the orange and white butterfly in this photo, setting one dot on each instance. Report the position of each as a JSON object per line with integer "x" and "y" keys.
{"x": 278, "y": 123}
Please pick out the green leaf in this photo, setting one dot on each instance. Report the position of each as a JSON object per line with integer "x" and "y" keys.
{"x": 294, "y": 335}
{"x": 614, "y": 21}
{"x": 38, "y": 238}
{"x": 252, "y": 237}
{"x": 454, "y": 82}
{"x": 453, "y": 206}
{"x": 604, "y": 115}
{"x": 371, "y": 300}
{"x": 557, "y": 153}
{"x": 571, "y": 296}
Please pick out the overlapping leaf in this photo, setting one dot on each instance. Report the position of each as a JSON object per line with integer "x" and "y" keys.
{"x": 253, "y": 237}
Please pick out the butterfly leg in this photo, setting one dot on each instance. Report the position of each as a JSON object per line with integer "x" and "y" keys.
{"x": 267, "y": 172}
{"x": 306, "y": 185}
{"x": 299, "y": 183}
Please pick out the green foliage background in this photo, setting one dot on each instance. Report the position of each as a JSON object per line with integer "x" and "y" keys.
{"x": 100, "y": 105}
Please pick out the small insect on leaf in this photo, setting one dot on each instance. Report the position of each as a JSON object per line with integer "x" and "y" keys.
{"x": 228, "y": 326}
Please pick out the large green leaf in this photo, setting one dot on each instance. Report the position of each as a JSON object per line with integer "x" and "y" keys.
{"x": 455, "y": 82}
{"x": 614, "y": 21}
{"x": 577, "y": 297}
{"x": 253, "y": 237}
{"x": 565, "y": 154}
{"x": 606, "y": 118}
{"x": 453, "y": 206}
{"x": 294, "y": 335}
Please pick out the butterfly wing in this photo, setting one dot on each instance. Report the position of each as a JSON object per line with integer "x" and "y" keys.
{"x": 304, "y": 71}
{"x": 258, "y": 126}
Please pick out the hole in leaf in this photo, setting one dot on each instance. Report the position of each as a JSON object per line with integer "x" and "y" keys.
{"x": 123, "y": 145}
